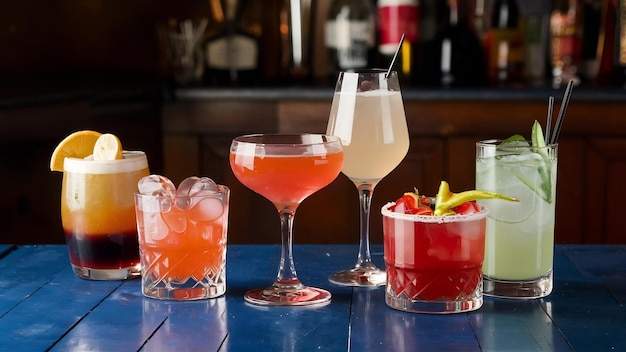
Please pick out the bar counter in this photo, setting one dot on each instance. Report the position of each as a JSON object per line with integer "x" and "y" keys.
{"x": 44, "y": 306}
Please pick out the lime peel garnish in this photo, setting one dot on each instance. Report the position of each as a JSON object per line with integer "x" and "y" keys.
{"x": 537, "y": 146}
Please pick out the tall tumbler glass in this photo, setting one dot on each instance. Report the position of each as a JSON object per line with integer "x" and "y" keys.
{"x": 367, "y": 114}
{"x": 519, "y": 245}
{"x": 98, "y": 215}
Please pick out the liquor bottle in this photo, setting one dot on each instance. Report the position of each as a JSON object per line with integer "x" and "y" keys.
{"x": 232, "y": 43}
{"x": 350, "y": 35}
{"x": 620, "y": 41}
{"x": 504, "y": 44}
{"x": 566, "y": 43}
{"x": 456, "y": 56}
{"x": 397, "y": 17}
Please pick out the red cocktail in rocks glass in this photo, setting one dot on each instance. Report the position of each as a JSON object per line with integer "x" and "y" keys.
{"x": 434, "y": 263}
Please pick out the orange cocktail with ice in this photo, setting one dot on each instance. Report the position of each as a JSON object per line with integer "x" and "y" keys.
{"x": 182, "y": 237}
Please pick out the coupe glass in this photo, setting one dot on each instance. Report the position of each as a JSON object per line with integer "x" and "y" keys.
{"x": 286, "y": 169}
{"x": 367, "y": 114}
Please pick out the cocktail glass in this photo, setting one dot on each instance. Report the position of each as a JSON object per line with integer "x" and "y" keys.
{"x": 98, "y": 215}
{"x": 286, "y": 169}
{"x": 182, "y": 241}
{"x": 434, "y": 262}
{"x": 520, "y": 235}
{"x": 367, "y": 113}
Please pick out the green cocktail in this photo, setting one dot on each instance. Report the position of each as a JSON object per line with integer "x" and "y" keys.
{"x": 519, "y": 243}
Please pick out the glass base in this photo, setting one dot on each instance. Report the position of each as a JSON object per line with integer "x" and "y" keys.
{"x": 184, "y": 294}
{"x": 360, "y": 277}
{"x": 275, "y": 296}
{"x": 522, "y": 289}
{"x": 108, "y": 274}
{"x": 439, "y": 306}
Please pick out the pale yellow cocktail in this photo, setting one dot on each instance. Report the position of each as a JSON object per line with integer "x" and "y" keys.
{"x": 519, "y": 243}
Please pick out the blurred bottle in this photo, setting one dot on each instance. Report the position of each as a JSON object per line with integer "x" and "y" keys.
{"x": 397, "y": 17}
{"x": 620, "y": 41}
{"x": 480, "y": 17}
{"x": 536, "y": 28}
{"x": 456, "y": 56}
{"x": 350, "y": 35}
{"x": 504, "y": 44}
{"x": 232, "y": 43}
{"x": 297, "y": 35}
{"x": 566, "y": 31}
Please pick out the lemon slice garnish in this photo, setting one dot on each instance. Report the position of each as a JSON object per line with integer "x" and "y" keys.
{"x": 77, "y": 145}
{"x": 108, "y": 147}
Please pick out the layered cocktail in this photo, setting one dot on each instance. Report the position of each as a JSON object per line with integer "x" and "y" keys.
{"x": 97, "y": 206}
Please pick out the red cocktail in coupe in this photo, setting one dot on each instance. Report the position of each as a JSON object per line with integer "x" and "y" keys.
{"x": 286, "y": 169}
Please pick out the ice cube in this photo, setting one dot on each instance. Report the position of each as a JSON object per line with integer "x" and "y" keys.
{"x": 175, "y": 219}
{"x": 155, "y": 183}
{"x": 161, "y": 187}
{"x": 207, "y": 206}
{"x": 203, "y": 184}
{"x": 182, "y": 193}
{"x": 156, "y": 229}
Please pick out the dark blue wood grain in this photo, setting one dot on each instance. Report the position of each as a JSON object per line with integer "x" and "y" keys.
{"x": 583, "y": 304}
{"x": 5, "y": 249}
{"x": 253, "y": 328}
{"x": 516, "y": 325}
{"x": 376, "y": 327}
{"x": 43, "y": 306}
{"x": 45, "y": 298}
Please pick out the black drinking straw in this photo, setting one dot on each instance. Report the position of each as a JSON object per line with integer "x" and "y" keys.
{"x": 549, "y": 121}
{"x": 559, "y": 119}
{"x": 395, "y": 55}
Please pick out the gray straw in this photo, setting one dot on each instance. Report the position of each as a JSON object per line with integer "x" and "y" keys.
{"x": 395, "y": 55}
{"x": 559, "y": 119}
{"x": 549, "y": 121}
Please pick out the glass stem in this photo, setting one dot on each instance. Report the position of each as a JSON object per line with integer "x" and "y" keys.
{"x": 364, "y": 258}
{"x": 287, "y": 277}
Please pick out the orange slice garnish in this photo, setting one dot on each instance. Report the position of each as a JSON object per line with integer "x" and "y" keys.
{"x": 77, "y": 145}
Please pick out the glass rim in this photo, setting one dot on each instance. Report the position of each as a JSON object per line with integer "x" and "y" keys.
{"x": 249, "y": 139}
{"x": 495, "y": 142}
{"x": 386, "y": 211}
{"x": 133, "y": 160}
{"x": 372, "y": 70}
{"x": 221, "y": 190}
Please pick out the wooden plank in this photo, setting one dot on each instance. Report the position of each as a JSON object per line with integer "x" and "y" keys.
{"x": 581, "y": 305}
{"x": 26, "y": 270}
{"x": 376, "y": 327}
{"x": 516, "y": 325}
{"x": 5, "y": 249}
{"x": 286, "y": 328}
{"x": 57, "y": 300}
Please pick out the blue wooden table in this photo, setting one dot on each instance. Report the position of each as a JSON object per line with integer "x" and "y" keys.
{"x": 44, "y": 306}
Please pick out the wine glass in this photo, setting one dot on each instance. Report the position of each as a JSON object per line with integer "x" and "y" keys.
{"x": 367, "y": 114}
{"x": 286, "y": 169}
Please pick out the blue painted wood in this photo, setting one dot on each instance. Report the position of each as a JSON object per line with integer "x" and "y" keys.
{"x": 253, "y": 328}
{"x": 5, "y": 249}
{"x": 376, "y": 327}
{"x": 43, "y": 305}
{"x": 582, "y": 305}
{"x": 51, "y": 299}
{"x": 516, "y": 325}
